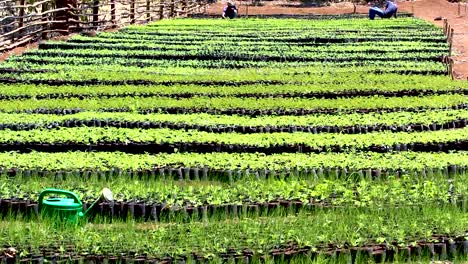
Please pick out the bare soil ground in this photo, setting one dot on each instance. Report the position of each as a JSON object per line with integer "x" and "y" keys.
{"x": 425, "y": 9}
{"x": 429, "y": 9}
{"x": 17, "y": 51}
{"x": 34, "y": 45}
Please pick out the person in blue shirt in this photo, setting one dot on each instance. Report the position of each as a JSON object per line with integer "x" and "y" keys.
{"x": 230, "y": 10}
{"x": 390, "y": 10}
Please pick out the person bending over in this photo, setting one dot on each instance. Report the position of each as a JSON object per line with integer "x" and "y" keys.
{"x": 390, "y": 10}
{"x": 230, "y": 10}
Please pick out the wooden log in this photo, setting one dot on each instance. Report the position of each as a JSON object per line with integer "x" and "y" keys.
{"x": 17, "y": 43}
{"x": 31, "y": 25}
{"x": 31, "y": 17}
{"x": 55, "y": 31}
{"x": 52, "y": 11}
{"x": 91, "y": 23}
{"x": 8, "y": 25}
{"x": 31, "y": 35}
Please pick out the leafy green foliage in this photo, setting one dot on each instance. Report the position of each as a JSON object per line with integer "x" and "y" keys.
{"x": 346, "y": 72}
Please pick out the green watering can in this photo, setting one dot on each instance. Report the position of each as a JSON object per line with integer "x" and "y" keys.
{"x": 69, "y": 207}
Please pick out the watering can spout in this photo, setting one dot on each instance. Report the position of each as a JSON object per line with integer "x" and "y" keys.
{"x": 106, "y": 195}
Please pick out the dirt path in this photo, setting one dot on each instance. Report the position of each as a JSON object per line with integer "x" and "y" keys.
{"x": 425, "y": 9}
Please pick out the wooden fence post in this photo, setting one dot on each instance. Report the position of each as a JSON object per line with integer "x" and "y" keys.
{"x": 21, "y": 15}
{"x": 67, "y": 13}
{"x": 44, "y": 26}
{"x": 171, "y": 11}
{"x": 148, "y": 10}
{"x": 161, "y": 9}
{"x": 451, "y": 42}
{"x": 445, "y": 62}
{"x": 184, "y": 8}
{"x": 246, "y": 9}
{"x": 445, "y": 26}
{"x": 451, "y": 68}
{"x": 95, "y": 14}
{"x": 72, "y": 13}
{"x": 132, "y": 11}
{"x": 112, "y": 6}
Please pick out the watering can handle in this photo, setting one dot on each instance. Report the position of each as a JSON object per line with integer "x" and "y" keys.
{"x": 56, "y": 191}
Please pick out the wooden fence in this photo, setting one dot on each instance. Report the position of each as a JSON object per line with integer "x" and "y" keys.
{"x": 23, "y": 21}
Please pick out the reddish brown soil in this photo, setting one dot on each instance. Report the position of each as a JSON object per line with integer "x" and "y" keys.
{"x": 430, "y": 9}
{"x": 17, "y": 51}
{"x": 20, "y": 50}
{"x": 425, "y": 9}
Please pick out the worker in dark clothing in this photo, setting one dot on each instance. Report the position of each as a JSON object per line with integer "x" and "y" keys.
{"x": 390, "y": 10}
{"x": 230, "y": 10}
